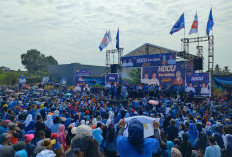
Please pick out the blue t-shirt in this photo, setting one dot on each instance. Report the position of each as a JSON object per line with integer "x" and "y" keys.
{"x": 125, "y": 149}
{"x": 213, "y": 151}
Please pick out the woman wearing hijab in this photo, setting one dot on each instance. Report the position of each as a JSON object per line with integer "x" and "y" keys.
{"x": 111, "y": 142}
{"x": 67, "y": 122}
{"x": 185, "y": 146}
{"x": 181, "y": 131}
{"x": 29, "y": 123}
{"x": 55, "y": 126}
{"x": 201, "y": 142}
{"x": 218, "y": 136}
{"x": 192, "y": 134}
{"x": 170, "y": 144}
{"x": 62, "y": 135}
{"x": 49, "y": 122}
{"x": 135, "y": 144}
{"x": 228, "y": 146}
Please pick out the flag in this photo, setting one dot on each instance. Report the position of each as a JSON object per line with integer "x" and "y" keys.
{"x": 210, "y": 23}
{"x": 109, "y": 37}
{"x": 105, "y": 41}
{"x": 194, "y": 28}
{"x": 178, "y": 25}
{"x": 117, "y": 40}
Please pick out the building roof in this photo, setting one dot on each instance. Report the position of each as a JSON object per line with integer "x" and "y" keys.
{"x": 147, "y": 49}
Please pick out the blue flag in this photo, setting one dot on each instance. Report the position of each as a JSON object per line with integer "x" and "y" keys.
{"x": 106, "y": 39}
{"x": 178, "y": 25}
{"x": 210, "y": 23}
{"x": 117, "y": 40}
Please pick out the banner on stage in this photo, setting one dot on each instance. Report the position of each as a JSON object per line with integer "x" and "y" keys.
{"x": 84, "y": 72}
{"x": 163, "y": 75}
{"x": 147, "y": 125}
{"x": 162, "y": 59}
{"x": 198, "y": 84}
{"x": 111, "y": 78}
{"x": 22, "y": 80}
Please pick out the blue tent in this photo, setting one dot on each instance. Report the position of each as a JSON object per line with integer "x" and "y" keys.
{"x": 222, "y": 81}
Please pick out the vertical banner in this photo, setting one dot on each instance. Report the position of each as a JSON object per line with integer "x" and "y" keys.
{"x": 111, "y": 78}
{"x": 163, "y": 75}
{"x": 198, "y": 83}
{"x": 22, "y": 80}
{"x": 63, "y": 81}
{"x": 45, "y": 80}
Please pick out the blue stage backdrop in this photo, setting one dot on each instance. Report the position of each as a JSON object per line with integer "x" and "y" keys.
{"x": 149, "y": 60}
{"x": 198, "y": 84}
{"x": 163, "y": 75}
{"x": 113, "y": 77}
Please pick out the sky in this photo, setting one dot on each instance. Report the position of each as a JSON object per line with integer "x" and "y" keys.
{"x": 71, "y": 30}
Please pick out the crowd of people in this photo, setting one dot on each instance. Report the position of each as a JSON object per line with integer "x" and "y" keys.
{"x": 86, "y": 122}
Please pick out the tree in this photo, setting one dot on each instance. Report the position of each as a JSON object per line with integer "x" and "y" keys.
{"x": 220, "y": 71}
{"x": 35, "y": 61}
{"x": 135, "y": 75}
{"x": 226, "y": 69}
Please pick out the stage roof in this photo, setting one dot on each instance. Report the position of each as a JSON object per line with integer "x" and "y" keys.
{"x": 148, "y": 48}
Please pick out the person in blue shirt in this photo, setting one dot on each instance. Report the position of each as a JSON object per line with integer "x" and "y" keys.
{"x": 213, "y": 150}
{"x": 135, "y": 144}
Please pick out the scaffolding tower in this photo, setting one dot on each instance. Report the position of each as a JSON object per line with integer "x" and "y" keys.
{"x": 187, "y": 56}
{"x": 108, "y": 62}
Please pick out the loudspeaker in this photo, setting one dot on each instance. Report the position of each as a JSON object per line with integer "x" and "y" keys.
{"x": 114, "y": 68}
{"x": 198, "y": 64}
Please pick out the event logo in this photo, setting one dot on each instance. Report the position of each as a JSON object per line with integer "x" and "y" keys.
{"x": 170, "y": 68}
{"x": 197, "y": 78}
{"x": 141, "y": 60}
{"x": 112, "y": 78}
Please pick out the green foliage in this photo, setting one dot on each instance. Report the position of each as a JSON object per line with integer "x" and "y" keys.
{"x": 220, "y": 71}
{"x": 135, "y": 75}
{"x": 8, "y": 78}
{"x": 35, "y": 61}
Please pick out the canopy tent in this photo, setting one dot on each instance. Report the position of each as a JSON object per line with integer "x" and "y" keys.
{"x": 224, "y": 82}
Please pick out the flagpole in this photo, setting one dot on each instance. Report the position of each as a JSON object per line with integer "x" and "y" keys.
{"x": 184, "y": 32}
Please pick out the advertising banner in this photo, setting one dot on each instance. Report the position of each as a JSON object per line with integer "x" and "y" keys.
{"x": 22, "y": 80}
{"x": 111, "y": 78}
{"x": 63, "y": 81}
{"x": 84, "y": 72}
{"x": 198, "y": 84}
{"x": 163, "y": 75}
{"x": 45, "y": 80}
{"x": 79, "y": 79}
{"x": 149, "y": 60}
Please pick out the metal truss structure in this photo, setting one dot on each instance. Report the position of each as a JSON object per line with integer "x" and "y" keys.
{"x": 108, "y": 62}
{"x": 187, "y": 56}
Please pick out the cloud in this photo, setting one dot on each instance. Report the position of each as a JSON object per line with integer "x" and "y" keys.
{"x": 71, "y": 30}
